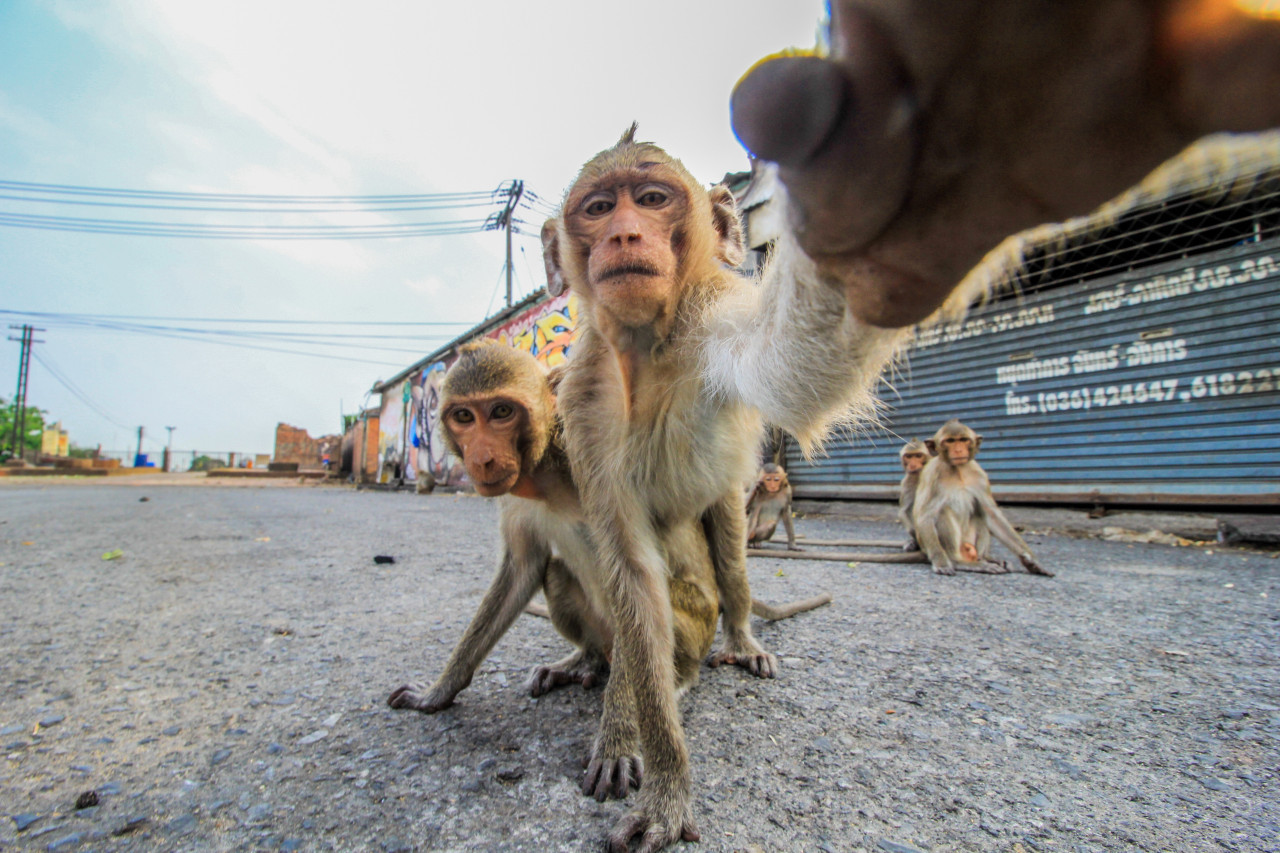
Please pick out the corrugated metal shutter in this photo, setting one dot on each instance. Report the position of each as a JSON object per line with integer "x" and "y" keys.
{"x": 1161, "y": 384}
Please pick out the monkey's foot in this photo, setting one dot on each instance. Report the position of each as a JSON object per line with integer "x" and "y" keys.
{"x": 984, "y": 567}
{"x": 1034, "y": 568}
{"x": 944, "y": 569}
{"x": 911, "y": 544}
{"x": 748, "y": 654}
{"x": 581, "y": 667}
{"x": 658, "y": 824}
{"x": 416, "y": 697}
{"x": 612, "y": 776}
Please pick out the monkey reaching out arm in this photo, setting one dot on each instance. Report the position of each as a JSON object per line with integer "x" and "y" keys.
{"x": 770, "y": 500}
{"x": 955, "y": 513}
{"x": 936, "y": 130}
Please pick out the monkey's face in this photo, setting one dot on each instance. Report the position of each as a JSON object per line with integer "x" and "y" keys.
{"x": 912, "y": 462}
{"x": 773, "y": 482}
{"x": 488, "y": 433}
{"x": 958, "y": 449}
{"x": 628, "y": 226}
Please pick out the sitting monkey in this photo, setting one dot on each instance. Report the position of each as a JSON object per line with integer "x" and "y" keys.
{"x": 914, "y": 454}
{"x": 770, "y": 500}
{"x": 498, "y": 412}
{"x": 955, "y": 512}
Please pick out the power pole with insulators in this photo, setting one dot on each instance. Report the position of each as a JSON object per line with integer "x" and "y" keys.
{"x": 508, "y": 222}
{"x": 18, "y": 440}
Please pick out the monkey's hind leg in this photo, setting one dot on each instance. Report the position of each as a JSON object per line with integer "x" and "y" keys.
{"x": 724, "y": 525}
{"x": 573, "y": 616}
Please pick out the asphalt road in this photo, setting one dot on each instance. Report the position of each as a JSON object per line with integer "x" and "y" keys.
{"x": 221, "y": 685}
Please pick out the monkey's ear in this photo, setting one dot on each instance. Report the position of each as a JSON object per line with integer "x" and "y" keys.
{"x": 554, "y": 375}
{"x": 977, "y": 442}
{"x": 724, "y": 213}
{"x": 932, "y": 445}
{"x": 551, "y": 258}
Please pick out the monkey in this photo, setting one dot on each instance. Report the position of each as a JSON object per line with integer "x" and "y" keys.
{"x": 913, "y": 454}
{"x": 497, "y": 413}
{"x": 663, "y": 404}
{"x": 932, "y": 132}
{"x": 955, "y": 513}
{"x": 770, "y": 499}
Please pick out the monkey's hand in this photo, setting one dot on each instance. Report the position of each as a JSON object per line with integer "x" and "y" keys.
{"x": 748, "y": 654}
{"x": 417, "y": 697}
{"x": 581, "y": 667}
{"x": 944, "y": 569}
{"x": 661, "y": 819}
{"x": 1029, "y": 563}
{"x": 614, "y": 769}
{"x": 924, "y": 141}
{"x": 791, "y": 547}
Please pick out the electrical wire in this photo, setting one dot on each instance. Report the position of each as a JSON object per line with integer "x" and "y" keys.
{"x": 75, "y": 390}
{"x": 52, "y": 315}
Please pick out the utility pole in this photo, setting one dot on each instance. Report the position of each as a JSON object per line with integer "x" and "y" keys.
{"x": 19, "y": 438}
{"x": 138, "y": 455}
{"x": 168, "y": 449}
{"x": 506, "y": 219}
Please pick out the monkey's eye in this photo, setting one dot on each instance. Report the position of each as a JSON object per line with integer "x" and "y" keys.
{"x": 502, "y": 411}
{"x": 651, "y": 198}
{"x": 599, "y": 207}
{"x": 462, "y": 416}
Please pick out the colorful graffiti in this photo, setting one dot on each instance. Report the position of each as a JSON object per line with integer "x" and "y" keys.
{"x": 390, "y": 434}
{"x": 427, "y": 454}
{"x": 548, "y": 331}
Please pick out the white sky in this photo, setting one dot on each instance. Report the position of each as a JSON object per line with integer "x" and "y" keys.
{"x": 320, "y": 98}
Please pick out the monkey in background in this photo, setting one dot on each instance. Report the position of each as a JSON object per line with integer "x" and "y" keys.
{"x": 955, "y": 512}
{"x": 770, "y": 500}
{"x": 913, "y": 455}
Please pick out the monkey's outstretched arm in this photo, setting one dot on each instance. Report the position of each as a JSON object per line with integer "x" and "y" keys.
{"x": 1000, "y": 528}
{"x": 791, "y": 349}
{"x": 519, "y": 576}
{"x": 789, "y": 523}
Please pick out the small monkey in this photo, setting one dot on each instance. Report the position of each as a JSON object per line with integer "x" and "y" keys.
{"x": 770, "y": 500}
{"x": 914, "y": 454}
{"x": 955, "y": 513}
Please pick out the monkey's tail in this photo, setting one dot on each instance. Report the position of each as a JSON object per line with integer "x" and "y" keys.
{"x": 773, "y": 613}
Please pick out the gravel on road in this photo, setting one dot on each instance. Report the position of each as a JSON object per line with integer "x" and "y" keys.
{"x": 221, "y": 685}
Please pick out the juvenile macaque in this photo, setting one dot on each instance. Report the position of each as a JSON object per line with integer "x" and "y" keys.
{"x": 955, "y": 513}
{"x": 935, "y": 130}
{"x": 677, "y": 359}
{"x": 770, "y": 500}
{"x": 914, "y": 454}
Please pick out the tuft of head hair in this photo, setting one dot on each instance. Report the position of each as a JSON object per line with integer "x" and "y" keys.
{"x": 915, "y": 445}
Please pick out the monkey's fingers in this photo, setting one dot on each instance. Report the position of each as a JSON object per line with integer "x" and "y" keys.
{"x": 412, "y": 697}
{"x": 656, "y": 835}
{"x": 612, "y": 777}
{"x": 1035, "y": 568}
{"x": 944, "y": 570}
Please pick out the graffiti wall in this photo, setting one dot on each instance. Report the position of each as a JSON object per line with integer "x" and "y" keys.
{"x": 547, "y": 331}
{"x": 391, "y": 433}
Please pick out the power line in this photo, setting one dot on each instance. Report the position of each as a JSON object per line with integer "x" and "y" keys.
{"x": 75, "y": 390}
{"x": 59, "y": 315}
{"x": 72, "y": 189}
